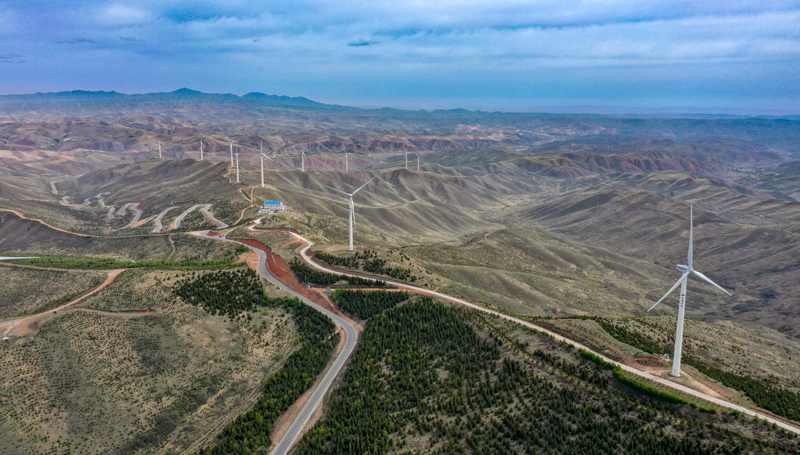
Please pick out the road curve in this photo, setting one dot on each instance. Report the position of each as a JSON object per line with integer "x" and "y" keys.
{"x": 159, "y": 227}
{"x": 350, "y": 340}
{"x": 177, "y": 223}
{"x": 660, "y": 380}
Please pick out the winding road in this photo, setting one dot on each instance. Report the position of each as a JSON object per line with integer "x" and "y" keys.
{"x": 350, "y": 340}
{"x": 177, "y": 223}
{"x": 627, "y": 368}
{"x": 159, "y": 227}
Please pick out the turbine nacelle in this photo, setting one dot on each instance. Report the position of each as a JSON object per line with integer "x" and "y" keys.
{"x": 683, "y": 268}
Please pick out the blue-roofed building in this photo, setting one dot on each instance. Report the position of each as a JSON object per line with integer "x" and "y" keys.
{"x": 272, "y": 206}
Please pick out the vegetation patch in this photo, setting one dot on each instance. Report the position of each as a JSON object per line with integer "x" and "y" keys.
{"x": 306, "y": 274}
{"x": 224, "y": 292}
{"x": 366, "y": 304}
{"x": 371, "y": 263}
{"x": 250, "y": 432}
{"x": 435, "y": 379}
{"x": 764, "y": 393}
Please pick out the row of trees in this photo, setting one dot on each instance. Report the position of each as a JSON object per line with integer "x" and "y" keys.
{"x": 366, "y": 304}
{"x": 250, "y": 432}
{"x": 428, "y": 378}
{"x": 306, "y": 274}
{"x": 371, "y": 262}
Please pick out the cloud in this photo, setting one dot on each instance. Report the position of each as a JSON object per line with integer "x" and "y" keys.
{"x": 437, "y": 47}
{"x": 361, "y": 43}
{"x": 122, "y": 15}
{"x": 11, "y": 58}
{"x": 78, "y": 40}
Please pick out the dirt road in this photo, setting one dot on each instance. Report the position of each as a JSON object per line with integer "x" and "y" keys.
{"x": 23, "y": 324}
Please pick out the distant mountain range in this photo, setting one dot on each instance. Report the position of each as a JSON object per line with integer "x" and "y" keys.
{"x": 180, "y": 94}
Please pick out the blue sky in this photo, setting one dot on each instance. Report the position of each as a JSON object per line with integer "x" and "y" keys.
{"x": 500, "y": 55}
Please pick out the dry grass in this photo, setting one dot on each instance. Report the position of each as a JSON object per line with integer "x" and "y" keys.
{"x": 96, "y": 382}
{"x": 29, "y": 290}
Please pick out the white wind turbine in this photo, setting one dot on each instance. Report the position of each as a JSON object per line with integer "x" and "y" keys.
{"x": 687, "y": 270}
{"x": 406, "y": 159}
{"x": 352, "y": 216}
{"x": 303, "y": 158}
{"x": 237, "y": 167}
{"x": 232, "y": 142}
{"x": 417, "y": 161}
{"x": 159, "y": 148}
{"x": 262, "y": 162}
{"x": 201, "y": 150}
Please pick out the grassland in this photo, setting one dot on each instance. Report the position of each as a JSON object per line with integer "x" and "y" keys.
{"x": 30, "y": 291}
{"x": 109, "y": 380}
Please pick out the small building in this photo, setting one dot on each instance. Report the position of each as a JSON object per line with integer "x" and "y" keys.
{"x": 272, "y": 206}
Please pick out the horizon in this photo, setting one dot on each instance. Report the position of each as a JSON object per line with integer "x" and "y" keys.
{"x": 511, "y": 56}
{"x": 577, "y": 110}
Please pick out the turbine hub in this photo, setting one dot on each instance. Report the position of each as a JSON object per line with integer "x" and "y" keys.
{"x": 683, "y": 268}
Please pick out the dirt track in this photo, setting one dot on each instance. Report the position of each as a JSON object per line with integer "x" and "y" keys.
{"x": 25, "y": 324}
{"x": 19, "y": 214}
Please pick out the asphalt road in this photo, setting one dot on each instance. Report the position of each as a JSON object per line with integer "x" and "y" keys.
{"x": 159, "y": 227}
{"x": 660, "y": 380}
{"x": 351, "y": 338}
{"x": 177, "y": 223}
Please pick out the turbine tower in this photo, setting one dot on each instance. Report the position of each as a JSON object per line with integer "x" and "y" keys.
{"x": 262, "y": 163}
{"x": 303, "y": 158}
{"x": 237, "y": 167}
{"x": 417, "y": 161}
{"x": 687, "y": 270}
{"x": 352, "y": 215}
{"x": 406, "y": 159}
{"x": 201, "y": 149}
{"x": 159, "y": 148}
{"x": 232, "y": 142}
{"x": 346, "y": 166}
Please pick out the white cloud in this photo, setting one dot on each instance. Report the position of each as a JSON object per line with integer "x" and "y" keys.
{"x": 118, "y": 14}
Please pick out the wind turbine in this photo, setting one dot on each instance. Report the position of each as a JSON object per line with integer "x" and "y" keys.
{"x": 201, "y": 150}
{"x": 406, "y": 159}
{"x": 232, "y": 142}
{"x": 237, "y": 167}
{"x": 262, "y": 163}
{"x": 303, "y": 158}
{"x": 417, "y": 161}
{"x": 352, "y": 216}
{"x": 687, "y": 270}
{"x": 159, "y": 148}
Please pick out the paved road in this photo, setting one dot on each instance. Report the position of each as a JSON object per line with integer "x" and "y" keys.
{"x": 350, "y": 340}
{"x": 658, "y": 379}
{"x": 177, "y": 223}
{"x": 213, "y": 219}
{"x": 159, "y": 227}
{"x": 135, "y": 207}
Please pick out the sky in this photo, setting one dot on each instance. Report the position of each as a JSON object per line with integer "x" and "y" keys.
{"x": 537, "y": 56}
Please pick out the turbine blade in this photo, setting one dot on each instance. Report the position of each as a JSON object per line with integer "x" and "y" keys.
{"x": 708, "y": 280}
{"x": 362, "y": 186}
{"x": 691, "y": 235}
{"x": 677, "y": 283}
{"x": 353, "y": 211}
{"x": 340, "y": 191}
